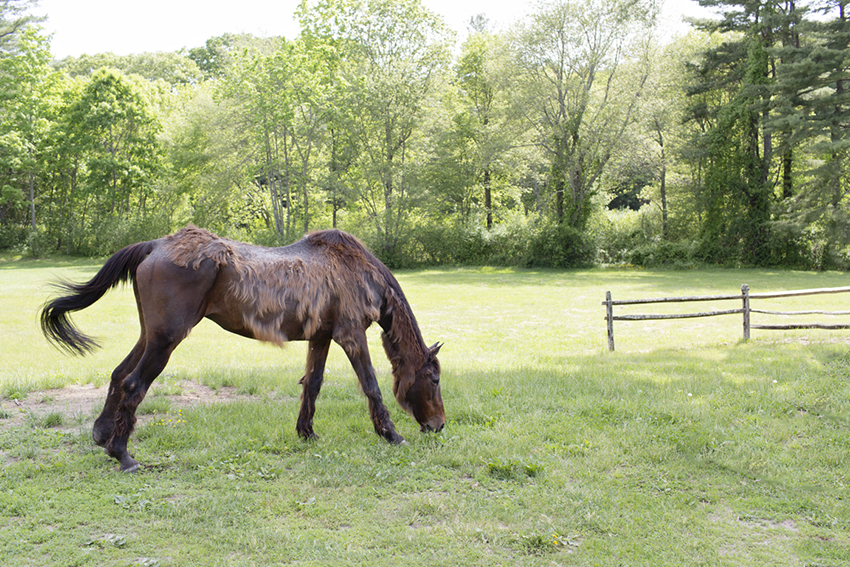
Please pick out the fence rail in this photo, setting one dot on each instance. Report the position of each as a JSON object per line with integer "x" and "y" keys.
{"x": 745, "y": 310}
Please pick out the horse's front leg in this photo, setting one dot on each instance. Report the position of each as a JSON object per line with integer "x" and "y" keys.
{"x": 357, "y": 350}
{"x": 317, "y": 354}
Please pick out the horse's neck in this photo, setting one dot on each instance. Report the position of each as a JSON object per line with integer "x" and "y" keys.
{"x": 400, "y": 327}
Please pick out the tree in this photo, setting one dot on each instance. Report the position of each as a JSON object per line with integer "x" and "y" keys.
{"x": 173, "y": 68}
{"x": 391, "y": 54}
{"x": 484, "y": 118}
{"x": 217, "y": 54}
{"x": 811, "y": 108}
{"x": 739, "y": 147}
{"x": 581, "y": 71}
{"x": 14, "y": 19}
{"x": 738, "y": 189}
{"x": 284, "y": 96}
{"x": 662, "y": 115}
{"x": 28, "y": 90}
{"x": 109, "y": 135}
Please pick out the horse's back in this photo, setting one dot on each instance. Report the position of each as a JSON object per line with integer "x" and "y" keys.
{"x": 294, "y": 292}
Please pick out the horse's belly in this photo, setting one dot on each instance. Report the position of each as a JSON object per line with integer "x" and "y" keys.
{"x": 272, "y": 327}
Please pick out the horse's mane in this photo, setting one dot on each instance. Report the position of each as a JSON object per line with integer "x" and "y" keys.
{"x": 401, "y": 331}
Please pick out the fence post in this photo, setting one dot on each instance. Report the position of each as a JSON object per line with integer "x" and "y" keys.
{"x": 745, "y": 296}
{"x": 609, "y": 316}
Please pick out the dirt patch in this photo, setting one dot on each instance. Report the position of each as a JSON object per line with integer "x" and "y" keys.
{"x": 83, "y": 403}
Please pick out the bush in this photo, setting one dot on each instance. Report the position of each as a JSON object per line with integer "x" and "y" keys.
{"x": 559, "y": 246}
{"x": 617, "y": 233}
{"x": 451, "y": 245}
{"x": 515, "y": 242}
{"x": 681, "y": 254}
{"x": 13, "y": 236}
{"x": 790, "y": 248}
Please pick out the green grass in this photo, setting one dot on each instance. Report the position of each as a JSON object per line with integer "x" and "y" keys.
{"x": 687, "y": 446}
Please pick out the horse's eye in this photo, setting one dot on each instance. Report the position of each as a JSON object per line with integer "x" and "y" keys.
{"x": 435, "y": 379}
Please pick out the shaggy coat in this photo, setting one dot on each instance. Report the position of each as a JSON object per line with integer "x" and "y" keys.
{"x": 326, "y": 287}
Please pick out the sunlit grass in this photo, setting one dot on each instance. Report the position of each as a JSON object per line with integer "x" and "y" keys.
{"x": 686, "y": 446}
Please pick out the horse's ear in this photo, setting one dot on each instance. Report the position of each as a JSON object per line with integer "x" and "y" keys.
{"x": 435, "y": 349}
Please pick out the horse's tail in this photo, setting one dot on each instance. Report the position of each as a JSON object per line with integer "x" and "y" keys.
{"x": 56, "y": 325}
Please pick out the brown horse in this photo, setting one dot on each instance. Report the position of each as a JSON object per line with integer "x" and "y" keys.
{"x": 325, "y": 287}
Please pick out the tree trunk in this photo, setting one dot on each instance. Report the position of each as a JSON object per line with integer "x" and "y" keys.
{"x": 488, "y": 203}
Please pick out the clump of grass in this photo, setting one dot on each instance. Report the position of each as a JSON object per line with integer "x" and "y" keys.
{"x": 52, "y": 419}
{"x": 511, "y": 469}
{"x": 542, "y": 544}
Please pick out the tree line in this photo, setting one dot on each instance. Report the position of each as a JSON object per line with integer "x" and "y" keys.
{"x": 574, "y": 136}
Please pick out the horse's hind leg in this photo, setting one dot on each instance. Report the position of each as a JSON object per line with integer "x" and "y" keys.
{"x": 172, "y": 301}
{"x": 317, "y": 354}
{"x": 104, "y": 424}
{"x": 133, "y": 389}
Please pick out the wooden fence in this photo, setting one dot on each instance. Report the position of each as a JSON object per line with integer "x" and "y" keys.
{"x": 745, "y": 297}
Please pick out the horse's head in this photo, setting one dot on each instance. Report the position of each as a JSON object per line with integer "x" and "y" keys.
{"x": 417, "y": 391}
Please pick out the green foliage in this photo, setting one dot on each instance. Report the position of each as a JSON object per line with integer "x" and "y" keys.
{"x": 15, "y": 19}
{"x": 373, "y": 121}
{"x": 12, "y": 236}
{"x": 453, "y": 245}
{"x": 569, "y": 54}
{"x": 508, "y": 244}
{"x": 661, "y": 254}
{"x": 560, "y": 246}
{"x": 737, "y": 190}
{"x": 173, "y": 68}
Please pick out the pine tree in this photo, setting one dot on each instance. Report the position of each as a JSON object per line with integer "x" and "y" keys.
{"x": 811, "y": 105}
{"x": 732, "y": 100}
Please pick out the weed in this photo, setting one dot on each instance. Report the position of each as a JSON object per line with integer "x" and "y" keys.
{"x": 52, "y": 419}
{"x": 105, "y": 540}
{"x": 502, "y": 469}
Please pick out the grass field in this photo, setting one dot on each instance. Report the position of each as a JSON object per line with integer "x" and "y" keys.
{"x": 687, "y": 446}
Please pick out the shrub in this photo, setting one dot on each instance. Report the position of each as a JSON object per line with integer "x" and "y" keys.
{"x": 618, "y": 233}
{"x": 454, "y": 244}
{"x": 12, "y": 236}
{"x": 657, "y": 254}
{"x": 559, "y": 246}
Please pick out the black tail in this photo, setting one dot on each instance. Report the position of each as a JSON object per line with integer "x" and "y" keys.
{"x": 56, "y": 325}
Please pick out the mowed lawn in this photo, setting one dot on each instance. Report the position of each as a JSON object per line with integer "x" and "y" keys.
{"x": 686, "y": 446}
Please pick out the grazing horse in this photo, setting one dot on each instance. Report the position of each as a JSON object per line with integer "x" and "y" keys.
{"x": 325, "y": 287}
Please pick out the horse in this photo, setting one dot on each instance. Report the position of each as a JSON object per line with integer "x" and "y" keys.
{"x": 325, "y": 287}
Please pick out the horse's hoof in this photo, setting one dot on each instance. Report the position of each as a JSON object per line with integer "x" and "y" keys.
{"x": 397, "y": 439}
{"x": 129, "y": 465}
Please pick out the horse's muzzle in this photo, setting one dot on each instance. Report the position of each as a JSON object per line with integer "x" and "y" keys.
{"x": 426, "y": 428}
